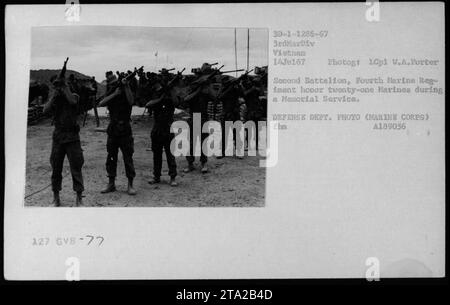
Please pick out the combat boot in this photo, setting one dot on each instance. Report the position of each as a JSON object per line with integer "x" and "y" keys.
{"x": 154, "y": 180}
{"x": 56, "y": 200}
{"x": 79, "y": 199}
{"x": 111, "y": 187}
{"x": 204, "y": 168}
{"x": 190, "y": 168}
{"x": 173, "y": 182}
{"x": 131, "y": 190}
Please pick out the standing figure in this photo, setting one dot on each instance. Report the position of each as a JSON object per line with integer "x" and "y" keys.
{"x": 161, "y": 136}
{"x": 140, "y": 92}
{"x": 229, "y": 97}
{"x": 198, "y": 103}
{"x": 119, "y": 100}
{"x": 66, "y": 140}
{"x": 252, "y": 92}
{"x": 254, "y": 110}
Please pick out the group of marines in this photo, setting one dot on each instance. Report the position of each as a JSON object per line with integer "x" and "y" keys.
{"x": 121, "y": 94}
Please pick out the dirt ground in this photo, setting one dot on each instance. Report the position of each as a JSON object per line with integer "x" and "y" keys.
{"x": 231, "y": 182}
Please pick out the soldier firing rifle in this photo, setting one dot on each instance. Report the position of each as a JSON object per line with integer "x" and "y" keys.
{"x": 66, "y": 139}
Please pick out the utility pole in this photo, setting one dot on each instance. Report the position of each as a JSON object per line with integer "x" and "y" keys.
{"x": 248, "y": 48}
{"x": 235, "y": 51}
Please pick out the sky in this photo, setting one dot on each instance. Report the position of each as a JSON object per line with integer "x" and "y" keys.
{"x": 93, "y": 50}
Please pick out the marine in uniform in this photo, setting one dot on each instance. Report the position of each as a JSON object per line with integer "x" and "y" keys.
{"x": 66, "y": 140}
{"x": 161, "y": 136}
{"x": 252, "y": 92}
{"x": 120, "y": 135}
{"x": 254, "y": 110}
{"x": 229, "y": 97}
{"x": 198, "y": 103}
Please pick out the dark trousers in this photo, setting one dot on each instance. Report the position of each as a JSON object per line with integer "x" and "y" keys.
{"x": 232, "y": 118}
{"x": 254, "y": 116}
{"x": 191, "y": 157}
{"x": 126, "y": 145}
{"x": 76, "y": 160}
{"x": 158, "y": 144}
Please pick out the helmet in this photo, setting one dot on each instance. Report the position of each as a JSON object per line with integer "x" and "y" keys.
{"x": 164, "y": 71}
{"x": 206, "y": 68}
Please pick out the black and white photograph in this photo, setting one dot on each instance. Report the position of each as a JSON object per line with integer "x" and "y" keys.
{"x": 250, "y": 142}
{"x": 102, "y": 100}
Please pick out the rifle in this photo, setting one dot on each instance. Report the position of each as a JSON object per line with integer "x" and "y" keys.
{"x": 60, "y": 80}
{"x": 166, "y": 88}
{"x": 118, "y": 83}
{"x": 233, "y": 82}
{"x": 62, "y": 74}
{"x": 229, "y": 71}
{"x": 175, "y": 78}
{"x": 166, "y": 70}
{"x": 204, "y": 78}
{"x": 224, "y": 90}
{"x": 140, "y": 70}
{"x": 133, "y": 74}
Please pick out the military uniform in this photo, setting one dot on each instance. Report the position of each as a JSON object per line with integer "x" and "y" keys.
{"x": 120, "y": 136}
{"x": 66, "y": 141}
{"x": 254, "y": 109}
{"x": 230, "y": 112}
{"x": 161, "y": 137}
{"x": 199, "y": 104}
{"x": 141, "y": 90}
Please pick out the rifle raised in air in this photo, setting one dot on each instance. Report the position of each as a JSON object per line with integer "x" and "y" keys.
{"x": 175, "y": 79}
{"x": 165, "y": 88}
{"x": 62, "y": 74}
{"x": 118, "y": 83}
{"x": 60, "y": 80}
{"x": 228, "y": 85}
{"x": 204, "y": 79}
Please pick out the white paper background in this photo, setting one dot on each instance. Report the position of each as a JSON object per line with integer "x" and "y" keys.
{"x": 339, "y": 194}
